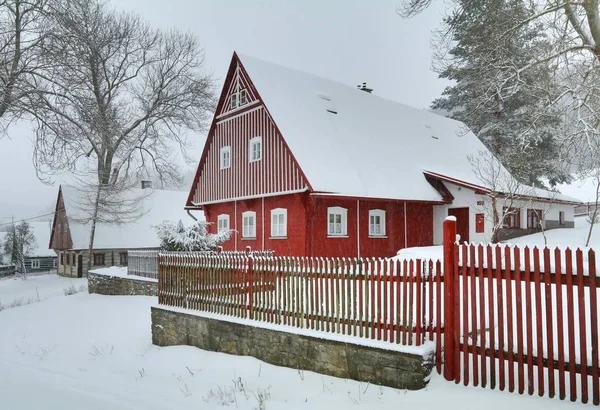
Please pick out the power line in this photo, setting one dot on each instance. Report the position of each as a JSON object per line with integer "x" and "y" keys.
{"x": 27, "y": 219}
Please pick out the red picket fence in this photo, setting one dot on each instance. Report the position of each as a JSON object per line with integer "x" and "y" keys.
{"x": 389, "y": 300}
{"x": 526, "y": 319}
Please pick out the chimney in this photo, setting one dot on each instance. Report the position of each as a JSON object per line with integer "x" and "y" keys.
{"x": 146, "y": 184}
{"x": 363, "y": 87}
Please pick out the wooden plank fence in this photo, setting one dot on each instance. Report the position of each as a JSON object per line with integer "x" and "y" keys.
{"x": 385, "y": 300}
{"x": 524, "y": 320}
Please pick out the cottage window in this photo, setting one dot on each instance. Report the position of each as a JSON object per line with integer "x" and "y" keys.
{"x": 249, "y": 224}
{"x": 223, "y": 222}
{"x": 239, "y": 98}
{"x": 534, "y": 218}
{"x": 35, "y": 264}
{"x": 376, "y": 222}
{"x": 54, "y": 263}
{"x": 98, "y": 259}
{"x": 561, "y": 217}
{"x": 512, "y": 218}
{"x": 74, "y": 259}
{"x": 279, "y": 223}
{"x": 123, "y": 259}
{"x": 62, "y": 258}
{"x": 226, "y": 157}
{"x": 255, "y": 149}
{"x": 337, "y": 221}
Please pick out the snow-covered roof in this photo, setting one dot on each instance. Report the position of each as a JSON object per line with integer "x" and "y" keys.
{"x": 365, "y": 145}
{"x": 155, "y": 205}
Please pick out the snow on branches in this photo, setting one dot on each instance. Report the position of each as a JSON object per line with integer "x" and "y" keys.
{"x": 177, "y": 237}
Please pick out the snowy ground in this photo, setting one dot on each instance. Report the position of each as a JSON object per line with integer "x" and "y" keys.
{"x": 16, "y": 291}
{"x": 95, "y": 352}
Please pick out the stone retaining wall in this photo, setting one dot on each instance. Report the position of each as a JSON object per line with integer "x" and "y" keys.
{"x": 368, "y": 364}
{"x": 114, "y": 285}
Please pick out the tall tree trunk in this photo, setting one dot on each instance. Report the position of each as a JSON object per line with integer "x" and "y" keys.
{"x": 595, "y": 213}
{"x": 93, "y": 230}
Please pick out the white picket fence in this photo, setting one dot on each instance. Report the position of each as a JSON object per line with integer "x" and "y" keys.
{"x": 143, "y": 263}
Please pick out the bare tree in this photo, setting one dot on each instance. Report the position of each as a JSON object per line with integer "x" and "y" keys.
{"x": 120, "y": 100}
{"x": 19, "y": 243}
{"x": 23, "y": 28}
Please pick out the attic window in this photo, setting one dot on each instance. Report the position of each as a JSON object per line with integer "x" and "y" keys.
{"x": 239, "y": 98}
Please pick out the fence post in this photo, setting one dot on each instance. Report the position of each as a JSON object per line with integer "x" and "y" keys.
{"x": 249, "y": 287}
{"x": 449, "y": 279}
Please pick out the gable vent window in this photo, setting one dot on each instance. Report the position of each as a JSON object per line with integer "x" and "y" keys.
{"x": 255, "y": 149}
{"x": 239, "y": 98}
{"x": 225, "y": 157}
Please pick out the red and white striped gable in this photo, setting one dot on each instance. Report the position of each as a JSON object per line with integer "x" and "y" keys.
{"x": 235, "y": 125}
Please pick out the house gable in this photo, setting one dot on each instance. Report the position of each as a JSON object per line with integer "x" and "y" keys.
{"x": 276, "y": 171}
{"x": 60, "y": 237}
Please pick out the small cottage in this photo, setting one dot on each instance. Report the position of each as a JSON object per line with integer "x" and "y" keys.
{"x": 71, "y": 229}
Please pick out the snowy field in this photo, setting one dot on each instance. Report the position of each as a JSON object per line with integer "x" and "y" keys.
{"x": 94, "y": 352}
{"x": 16, "y": 291}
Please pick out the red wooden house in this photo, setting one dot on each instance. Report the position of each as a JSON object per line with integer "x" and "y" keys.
{"x": 310, "y": 167}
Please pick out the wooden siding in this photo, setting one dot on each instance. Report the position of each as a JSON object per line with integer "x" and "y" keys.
{"x": 46, "y": 263}
{"x": 240, "y": 79}
{"x": 60, "y": 237}
{"x": 276, "y": 172}
{"x": 111, "y": 258}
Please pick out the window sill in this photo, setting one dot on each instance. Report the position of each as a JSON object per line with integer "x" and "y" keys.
{"x": 337, "y": 236}
{"x": 278, "y": 237}
{"x": 378, "y": 237}
{"x": 248, "y": 239}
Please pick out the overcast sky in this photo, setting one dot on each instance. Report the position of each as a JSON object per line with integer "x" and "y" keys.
{"x": 349, "y": 41}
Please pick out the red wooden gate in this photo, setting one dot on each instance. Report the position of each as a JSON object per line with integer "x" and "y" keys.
{"x": 523, "y": 319}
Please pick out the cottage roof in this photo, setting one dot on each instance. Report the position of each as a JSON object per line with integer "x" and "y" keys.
{"x": 155, "y": 205}
{"x": 353, "y": 143}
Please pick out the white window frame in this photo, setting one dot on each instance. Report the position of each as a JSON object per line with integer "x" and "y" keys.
{"x": 278, "y": 230}
{"x": 239, "y": 98}
{"x": 249, "y": 230}
{"x": 254, "y": 142}
{"x": 226, "y": 150}
{"x": 331, "y": 228}
{"x": 374, "y": 213}
{"x": 223, "y": 222}
{"x": 35, "y": 264}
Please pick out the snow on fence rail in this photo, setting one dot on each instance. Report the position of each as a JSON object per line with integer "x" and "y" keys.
{"x": 378, "y": 299}
{"x": 143, "y": 263}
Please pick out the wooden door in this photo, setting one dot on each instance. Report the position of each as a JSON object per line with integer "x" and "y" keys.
{"x": 79, "y": 266}
{"x": 462, "y": 222}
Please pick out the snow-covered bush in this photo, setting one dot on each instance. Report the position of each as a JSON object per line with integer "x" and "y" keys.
{"x": 176, "y": 237}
